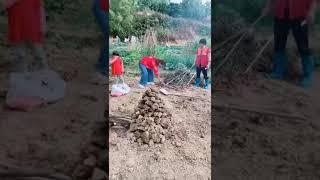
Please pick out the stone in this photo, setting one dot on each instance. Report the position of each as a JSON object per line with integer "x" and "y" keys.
{"x": 151, "y": 143}
{"x": 145, "y": 137}
{"x": 165, "y": 123}
{"x": 153, "y": 99}
{"x": 157, "y": 121}
{"x": 162, "y": 139}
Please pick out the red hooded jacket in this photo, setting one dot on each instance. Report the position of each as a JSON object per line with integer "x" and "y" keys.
{"x": 151, "y": 63}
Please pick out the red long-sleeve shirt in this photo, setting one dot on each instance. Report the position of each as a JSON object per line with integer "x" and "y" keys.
{"x": 297, "y": 8}
{"x": 104, "y": 5}
{"x": 26, "y": 20}
{"x": 151, "y": 63}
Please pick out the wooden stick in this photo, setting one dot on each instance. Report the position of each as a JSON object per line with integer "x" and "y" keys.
{"x": 259, "y": 111}
{"x": 234, "y": 48}
{"x": 258, "y": 55}
{"x": 191, "y": 79}
{"x": 229, "y": 54}
{"x": 181, "y": 80}
{"x": 227, "y": 40}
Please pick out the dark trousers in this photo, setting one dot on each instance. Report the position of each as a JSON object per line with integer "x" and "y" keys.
{"x": 204, "y": 72}
{"x": 282, "y": 28}
{"x": 103, "y": 22}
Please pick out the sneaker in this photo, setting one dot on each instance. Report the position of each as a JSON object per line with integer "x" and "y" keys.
{"x": 141, "y": 86}
{"x": 150, "y": 83}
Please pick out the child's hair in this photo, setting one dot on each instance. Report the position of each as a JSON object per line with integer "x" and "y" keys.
{"x": 203, "y": 41}
{"x": 160, "y": 61}
{"x": 115, "y": 53}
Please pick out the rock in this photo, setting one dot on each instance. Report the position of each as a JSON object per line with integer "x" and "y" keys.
{"x": 151, "y": 143}
{"x": 153, "y": 99}
{"x": 145, "y": 137}
{"x": 150, "y": 120}
{"x": 178, "y": 144}
{"x": 149, "y": 103}
{"x": 137, "y": 134}
{"x": 140, "y": 141}
{"x": 156, "y": 138}
{"x": 98, "y": 174}
{"x": 91, "y": 161}
{"x": 146, "y": 107}
{"x": 155, "y": 106}
{"x": 165, "y": 123}
{"x": 157, "y": 120}
{"x": 162, "y": 139}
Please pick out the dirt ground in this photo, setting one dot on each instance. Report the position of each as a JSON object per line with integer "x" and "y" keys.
{"x": 187, "y": 158}
{"x": 52, "y": 136}
{"x": 252, "y": 145}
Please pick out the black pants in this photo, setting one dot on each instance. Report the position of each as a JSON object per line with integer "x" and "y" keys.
{"x": 204, "y": 72}
{"x": 282, "y": 28}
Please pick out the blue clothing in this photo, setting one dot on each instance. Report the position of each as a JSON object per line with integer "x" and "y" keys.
{"x": 147, "y": 75}
{"x": 103, "y": 21}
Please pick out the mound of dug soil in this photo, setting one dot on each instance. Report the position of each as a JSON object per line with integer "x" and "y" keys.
{"x": 152, "y": 123}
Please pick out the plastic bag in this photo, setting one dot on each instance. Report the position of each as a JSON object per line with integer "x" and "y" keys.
{"x": 119, "y": 90}
{"x": 32, "y": 89}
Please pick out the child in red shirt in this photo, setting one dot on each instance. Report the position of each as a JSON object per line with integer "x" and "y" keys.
{"x": 295, "y": 15}
{"x": 203, "y": 62}
{"x": 117, "y": 66}
{"x": 149, "y": 65}
{"x": 26, "y": 23}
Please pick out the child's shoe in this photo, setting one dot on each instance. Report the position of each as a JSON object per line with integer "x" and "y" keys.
{"x": 206, "y": 86}
{"x": 141, "y": 86}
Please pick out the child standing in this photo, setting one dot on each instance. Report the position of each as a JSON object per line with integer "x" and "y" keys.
{"x": 100, "y": 10}
{"x": 202, "y": 62}
{"x": 117, "y": 67}
{"x": 27, "y": 26}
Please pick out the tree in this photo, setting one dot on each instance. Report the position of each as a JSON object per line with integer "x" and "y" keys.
{"x": 121, "y": 17}
{"x": 175, "y": 10}
{"x": 155, "y": 5}
{"x": 195, "y": 9}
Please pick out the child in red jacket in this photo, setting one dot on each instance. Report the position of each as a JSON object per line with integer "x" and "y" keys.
{"x": 202, "y": 62}
{"x": 149, "y": 65}
{"x": 26, "y": 23}
{"x": 117, "y": 66}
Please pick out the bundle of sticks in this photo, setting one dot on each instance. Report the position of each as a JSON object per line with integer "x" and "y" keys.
{"x": 181, "y": 79}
